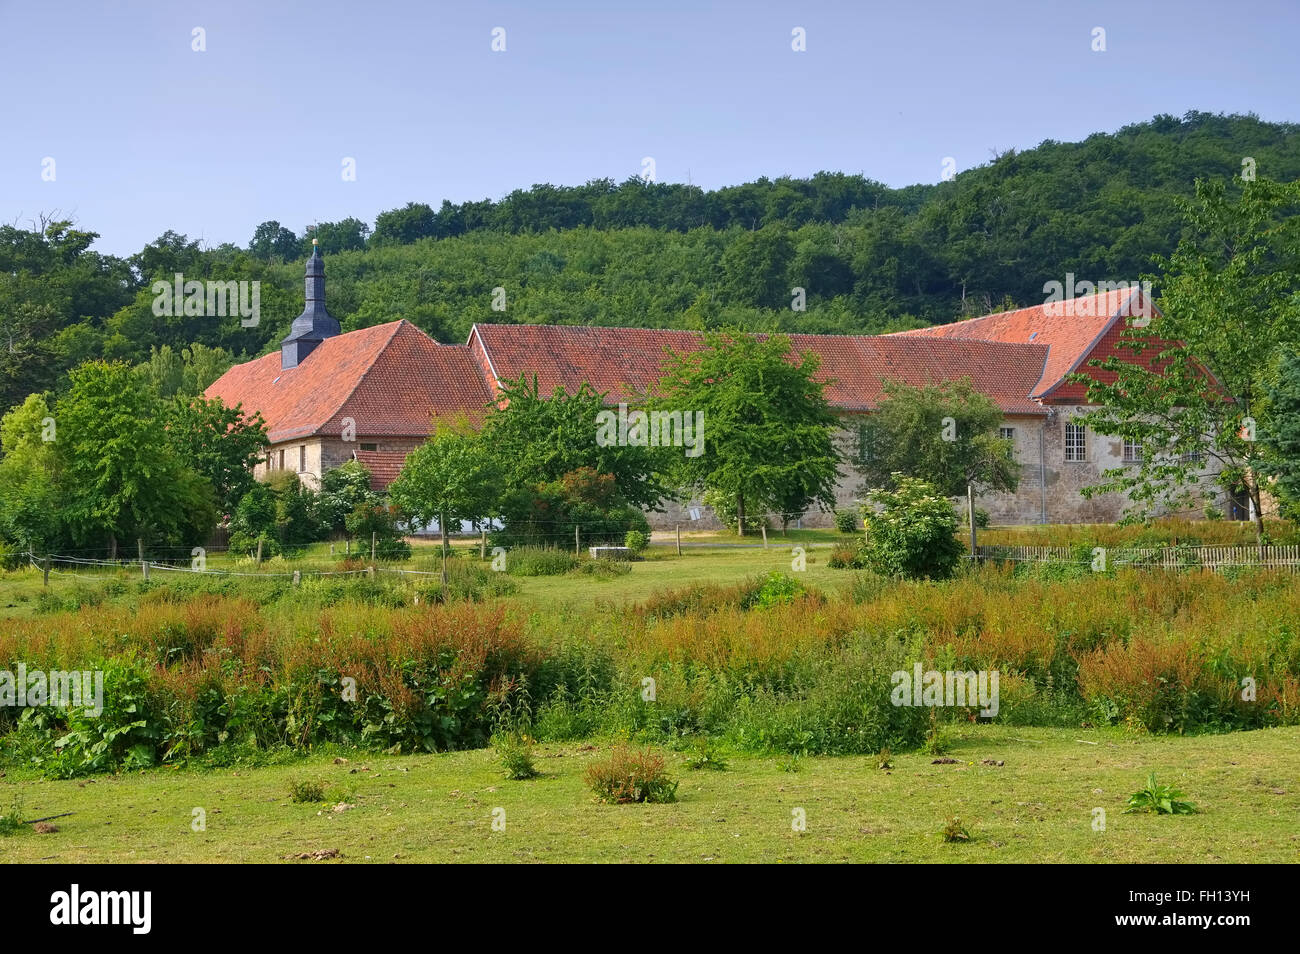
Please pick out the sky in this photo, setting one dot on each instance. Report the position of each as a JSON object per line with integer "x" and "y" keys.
{"x": 147, "y": 133}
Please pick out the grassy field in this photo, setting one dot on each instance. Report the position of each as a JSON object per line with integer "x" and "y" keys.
{"x": 1167, "y": 649}
{"x": 1036, "y": 807}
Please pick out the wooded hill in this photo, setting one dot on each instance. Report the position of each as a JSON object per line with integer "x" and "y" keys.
{"x": 869, "y": 257}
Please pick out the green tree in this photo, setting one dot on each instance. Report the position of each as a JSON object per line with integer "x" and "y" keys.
{"x": 1196, "y": 396}
{"x": 1281, "y": 435}
{"x": 219, "y": 443}
{"x": 343, "y": 490}
{"x": 271, "y": 241}
{"x": 945, "y": 434}
{"x": 767, "y": 428}
{"x": 547, "y": 454}
{"x": 31, "y": 507}
{"x": 448, "y": 478}
{"x": 122, "y": 475}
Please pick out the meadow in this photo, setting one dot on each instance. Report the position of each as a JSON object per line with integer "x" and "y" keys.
{"x": 727, "y": 655}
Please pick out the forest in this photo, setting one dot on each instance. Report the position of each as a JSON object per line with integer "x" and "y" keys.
{"x": 869, "y": 258}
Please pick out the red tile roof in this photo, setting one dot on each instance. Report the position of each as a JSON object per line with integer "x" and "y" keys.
{"x": 389, "y": 379}
{"x": 1071, "y": 329}
{"x": 384, "y": 466}
{"x": 626, "y": 362}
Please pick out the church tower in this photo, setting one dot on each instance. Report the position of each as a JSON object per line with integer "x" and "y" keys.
{"x": 315, "y": 324}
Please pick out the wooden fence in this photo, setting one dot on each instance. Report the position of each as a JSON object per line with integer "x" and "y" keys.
{"x": 1167, "y": 558}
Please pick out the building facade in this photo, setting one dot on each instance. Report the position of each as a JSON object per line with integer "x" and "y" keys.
{"x": 372, "y": 394}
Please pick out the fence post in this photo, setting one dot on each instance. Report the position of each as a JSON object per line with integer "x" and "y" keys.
{"x": 297, "y": 577}
{"x": 970, "y": 516}
{"x": 679, "y": 539}
{"x": 373, "y": 535}
{"x": 764, "y": 534}
{"x": 577, "y": 544}
{"x": 482, "y": 543}
{"x": 45, "y": 571}
{"x": 259, "y": 551}
{"x": 144, "y": 568}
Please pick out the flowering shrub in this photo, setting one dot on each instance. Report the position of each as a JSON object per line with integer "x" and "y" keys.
{"x": 913, "y": 534}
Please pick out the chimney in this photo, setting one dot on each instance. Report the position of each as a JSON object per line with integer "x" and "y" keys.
{"x": 315, "y": 324}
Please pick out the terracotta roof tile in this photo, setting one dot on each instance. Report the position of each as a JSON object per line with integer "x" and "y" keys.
{"x": 390, "y": 379}
{"x": 626, "y": 362}
{"x": 1071, "y": 329}
{"x": 384, "y": 466}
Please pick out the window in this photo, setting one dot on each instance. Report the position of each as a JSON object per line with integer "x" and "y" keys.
{"x": 302, "y": 458}
{"x": 281, "y": 458}
{"x": 370, "y": 447}
{"x": 1132, "y": 451}
{"x": 1076, "y": 442}
{"x": 1007, "y": 433}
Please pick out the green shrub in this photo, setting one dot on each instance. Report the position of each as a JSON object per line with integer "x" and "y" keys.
{"x": 914, "y": 534}
{"x": 631, "y": 775}
{"x": 11, "y": 818}
{"x": 706, "y": 755}
{"x": 844, "y": 558}
{"x": 636, "y": 540}
{"x": 515, "y": 753}
{"x": 777, "y": 589}
{"x": 1158, "y": 799}
{"x": 955, "y": 831}
{"x": 846, "y": 522}
{"x": 306, "y": 790}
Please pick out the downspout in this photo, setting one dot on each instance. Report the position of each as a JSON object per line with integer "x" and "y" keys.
{"x": 1042, "y": 468}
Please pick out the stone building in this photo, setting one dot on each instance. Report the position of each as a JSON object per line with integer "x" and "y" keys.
{"x": 371, "y": 394}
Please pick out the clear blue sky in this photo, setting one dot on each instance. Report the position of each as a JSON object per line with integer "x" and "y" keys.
{"x": 148, "y": 135}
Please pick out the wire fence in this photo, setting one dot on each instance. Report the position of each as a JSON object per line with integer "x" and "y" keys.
{"x": 1161, "y": 558}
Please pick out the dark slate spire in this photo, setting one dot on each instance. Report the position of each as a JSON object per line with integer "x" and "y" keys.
{"x": 315, "y": 324}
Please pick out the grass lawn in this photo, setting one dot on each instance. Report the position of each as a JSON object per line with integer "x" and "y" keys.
{"x": 663, "y": 569}
{"x": 1037, "y": 807}
{"x": 724, "y": 563}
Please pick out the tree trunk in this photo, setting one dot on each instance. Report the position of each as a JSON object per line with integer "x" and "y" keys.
{"x": 1253, "y": 495}
{"x": 442, "y": 528}
{"x": 740, "y": 513}
{"x": 112, "y": 546}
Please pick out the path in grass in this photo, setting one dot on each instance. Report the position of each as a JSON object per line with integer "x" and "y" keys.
{"x": 1037, "y": 806}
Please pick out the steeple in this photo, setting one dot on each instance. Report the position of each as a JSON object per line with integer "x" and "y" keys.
{"x": 315, "y": 324}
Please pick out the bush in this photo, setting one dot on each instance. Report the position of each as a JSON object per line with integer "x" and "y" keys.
{"x": 777, "y": 589}
{"x": 11, "y": 818}
{"x": 914, "y": 534}
{"x": 845, "y": 521}
{"x": 844, "y": 558}
{"x": 515, "y": 753}
{"x": 306, "y": 790}
{"x": 636, "y": 540}
{"x": 631, "y": 775}
{"x": 706, "y": 755}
